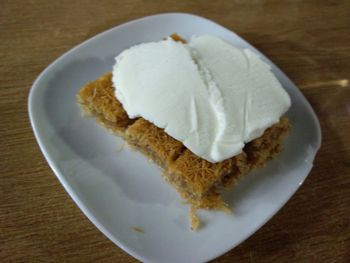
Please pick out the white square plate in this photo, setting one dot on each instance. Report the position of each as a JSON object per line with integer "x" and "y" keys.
{"x": 118, "y": 189}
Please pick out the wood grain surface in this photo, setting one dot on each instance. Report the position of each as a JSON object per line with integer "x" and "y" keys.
{"x": 308, "y": 40}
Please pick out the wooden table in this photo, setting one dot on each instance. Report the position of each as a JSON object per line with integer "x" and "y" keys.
{"x": 308, "y": 40}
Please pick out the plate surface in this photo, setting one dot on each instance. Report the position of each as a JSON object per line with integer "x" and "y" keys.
{"x": 118, "y": 189}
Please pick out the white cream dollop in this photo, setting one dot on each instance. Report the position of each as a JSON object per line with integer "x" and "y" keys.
{"x": 208, "y": 94}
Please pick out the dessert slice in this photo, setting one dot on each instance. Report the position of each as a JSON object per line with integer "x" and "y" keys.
{"x": 197, "y": 180}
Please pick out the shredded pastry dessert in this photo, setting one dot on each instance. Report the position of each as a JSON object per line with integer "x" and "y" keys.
{"x": 198, "y": 181}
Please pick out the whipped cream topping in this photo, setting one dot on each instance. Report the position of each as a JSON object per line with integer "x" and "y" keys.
{"x": 208, "y": 94}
